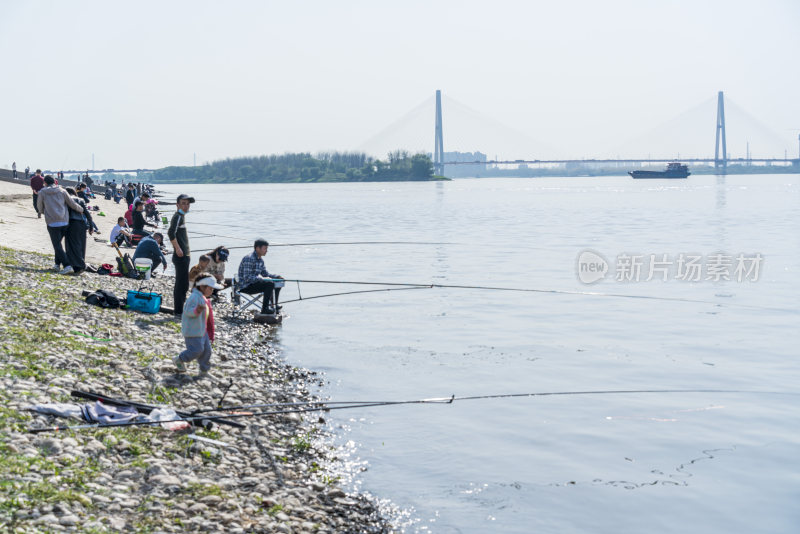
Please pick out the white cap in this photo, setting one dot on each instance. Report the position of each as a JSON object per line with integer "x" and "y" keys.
{"x": 209, "y": 281}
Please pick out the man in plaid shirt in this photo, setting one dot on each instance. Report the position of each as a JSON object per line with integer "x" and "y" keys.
{"x": 254, "y": 277}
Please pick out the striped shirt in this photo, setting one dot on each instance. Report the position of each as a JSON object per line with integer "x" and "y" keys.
{"x": 177, "y": 231}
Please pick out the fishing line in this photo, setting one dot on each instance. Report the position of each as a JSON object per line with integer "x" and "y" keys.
{"x": 316, "y": 406}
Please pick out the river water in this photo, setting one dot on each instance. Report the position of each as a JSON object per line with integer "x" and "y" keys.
{"x": 639, "y": 462}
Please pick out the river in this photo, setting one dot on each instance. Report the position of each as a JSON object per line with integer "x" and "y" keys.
{"x": 713, "y": 461}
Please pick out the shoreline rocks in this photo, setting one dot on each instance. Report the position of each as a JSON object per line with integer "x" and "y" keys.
{"x": 271, "y": 476}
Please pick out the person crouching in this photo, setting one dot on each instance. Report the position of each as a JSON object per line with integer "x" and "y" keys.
{"x": 197, "y": 326}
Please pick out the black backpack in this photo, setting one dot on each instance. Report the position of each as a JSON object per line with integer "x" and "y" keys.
{"x": 125, "y": 265}
{"x": 104, "y": 299}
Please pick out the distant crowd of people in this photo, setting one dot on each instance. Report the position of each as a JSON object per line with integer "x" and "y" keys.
{"x": 67, "y": 213}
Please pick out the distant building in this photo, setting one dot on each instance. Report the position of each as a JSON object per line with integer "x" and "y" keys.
{"x": 477, "y": 169}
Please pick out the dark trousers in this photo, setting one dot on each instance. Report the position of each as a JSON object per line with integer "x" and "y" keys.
{"x": 35, "y": 198}
{"x": 181, "y": 281}
{"x": 266, "y": 287}
{"x": 76, "y": 244}
{"x": 123, "y": 239}
{"x": 57, "y": 234}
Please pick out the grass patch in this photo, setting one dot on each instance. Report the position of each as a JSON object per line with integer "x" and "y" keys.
{"x": 198, "y": 491}
{"x": 275, "y": 510}
{"x": 302, "y": 443}
{"x": 162, "y": 395}
{"x": 11, "y": 419}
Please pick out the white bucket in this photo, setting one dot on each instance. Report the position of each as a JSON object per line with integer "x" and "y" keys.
{"x": 144, "y": 266}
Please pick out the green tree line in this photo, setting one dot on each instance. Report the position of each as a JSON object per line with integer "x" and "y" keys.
{"x": 303, "y": 167}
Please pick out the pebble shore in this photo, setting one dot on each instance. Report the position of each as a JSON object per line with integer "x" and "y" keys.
{"x": 274, "y": 475}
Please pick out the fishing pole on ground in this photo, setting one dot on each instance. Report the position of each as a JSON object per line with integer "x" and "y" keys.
{"x": 317, "y": 406}
{"x": 147, "y": 408}
{"x": 190, "y": 419}
{"x": 453, "y": 398}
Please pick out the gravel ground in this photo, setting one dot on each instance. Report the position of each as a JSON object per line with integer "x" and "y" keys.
{"x": 274, "y": 475}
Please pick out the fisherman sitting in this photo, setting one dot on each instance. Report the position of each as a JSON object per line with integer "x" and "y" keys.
{"x": 121, "y": 233}
{"x": 150, "y": 247}
{"x": 254, "y": 278}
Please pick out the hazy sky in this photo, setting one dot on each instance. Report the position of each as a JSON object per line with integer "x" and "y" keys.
{"x": 150, "y": 83}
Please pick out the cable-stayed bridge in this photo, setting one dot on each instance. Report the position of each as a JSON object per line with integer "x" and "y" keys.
{"x": 686, "y": 138}
{"x": 691, "y": 137}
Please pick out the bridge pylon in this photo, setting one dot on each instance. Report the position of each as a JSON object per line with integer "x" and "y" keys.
{"x": 721, "y": 135}
{"x": 438, "y": 145}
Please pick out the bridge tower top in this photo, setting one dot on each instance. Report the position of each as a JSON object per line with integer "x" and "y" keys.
{"x": 438, "y": 144}
{"x": 721, "y": 134}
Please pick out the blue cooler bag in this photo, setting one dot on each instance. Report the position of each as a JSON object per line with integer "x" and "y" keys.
{"x": 143, "y": 301}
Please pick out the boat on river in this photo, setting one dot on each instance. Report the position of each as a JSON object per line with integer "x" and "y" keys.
{"x": 673, "y": 170}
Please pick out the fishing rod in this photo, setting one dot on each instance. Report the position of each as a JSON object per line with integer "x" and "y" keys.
{"x": 453, "y": 398}
{"x": 316, "y": 243}
{"x": 317, "y": 406}
{"x": 204, "y": 235}
{"x": 190, "y": 419}
{"x": 201, "y": 235}
{"x": 353, "y": 293}
{"x": 222, "y": 224}
{"x": 531, "y": 290}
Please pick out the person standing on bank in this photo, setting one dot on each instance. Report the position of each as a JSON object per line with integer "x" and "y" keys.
{"x": 180, "y": 258}
{"x": 37, "y": 183}
{"x": 14, "y": 169}
{"x": 76, "y": 236}
{"x": 130, "y": 195}
{"x": 55, "y": 203}
{"x": 254, "y": 277}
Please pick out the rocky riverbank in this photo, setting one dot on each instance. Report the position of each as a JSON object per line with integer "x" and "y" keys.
{"x": 271, "y": 476}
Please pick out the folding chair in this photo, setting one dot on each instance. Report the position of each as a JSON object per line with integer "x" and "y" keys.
{"x": 242, "y": 301}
